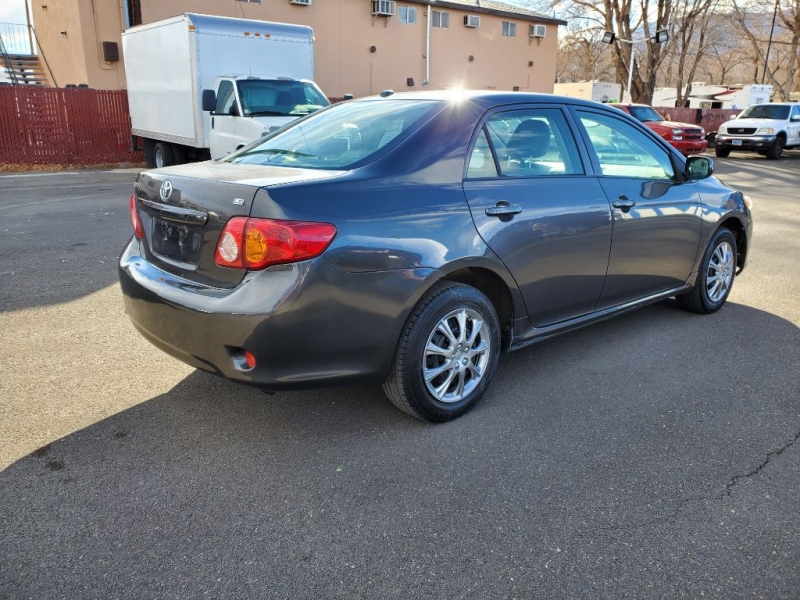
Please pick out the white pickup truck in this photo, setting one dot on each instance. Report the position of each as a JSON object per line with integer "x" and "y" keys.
{"x": 764, "y": 128}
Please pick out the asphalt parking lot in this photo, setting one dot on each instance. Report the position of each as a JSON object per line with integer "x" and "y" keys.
{"x": 651, "y": 456}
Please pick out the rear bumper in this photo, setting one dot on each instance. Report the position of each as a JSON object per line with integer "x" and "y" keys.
{"x": 307, "y": 324}
{"x": 750, "y": 142}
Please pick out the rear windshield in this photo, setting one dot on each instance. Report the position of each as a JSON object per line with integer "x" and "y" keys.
{"x": 341, "y": 136}
{"x": 765, "y": 111}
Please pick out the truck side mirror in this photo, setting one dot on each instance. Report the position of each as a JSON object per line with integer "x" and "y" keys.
{"x": 348, "y": 97}
{"x": 209, "y": 100}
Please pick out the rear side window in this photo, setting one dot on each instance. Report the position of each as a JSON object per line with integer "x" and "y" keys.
{"x": 338, "y": 137}
{"x": 624, "y": 151}
{"x": 534, "y": 142}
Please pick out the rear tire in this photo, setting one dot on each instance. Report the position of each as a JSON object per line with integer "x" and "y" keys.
{"x": 715, "y": 279}
{"x": 722, "y": 152}
{"x": 447, "y": 354}
{"x": 164, "y": 157}
{"x": 775, "y": 151}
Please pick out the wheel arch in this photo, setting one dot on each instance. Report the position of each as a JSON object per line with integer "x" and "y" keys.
{"x": 496, "y": 289}
{"x": 739, "y": 231}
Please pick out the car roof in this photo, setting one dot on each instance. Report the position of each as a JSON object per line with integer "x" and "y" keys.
{"x": 483, "y": 98}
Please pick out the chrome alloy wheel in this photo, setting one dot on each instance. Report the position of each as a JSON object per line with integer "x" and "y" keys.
{"x": 456, "y": 355}
{"x": 720, "y": 272}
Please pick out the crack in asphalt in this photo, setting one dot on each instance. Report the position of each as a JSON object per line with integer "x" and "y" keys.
{"x": 728, "y": 490}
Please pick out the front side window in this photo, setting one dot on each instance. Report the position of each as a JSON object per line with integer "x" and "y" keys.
{"x": 509, "y": 29}
{"x": 225, "y": 98}
{"x": 441, "y": 19}
{"x": 343, "y": 135}
{"x": 407, "y": 14}
{"x": 533, "y": 142}
{"x": 624, "y": 151}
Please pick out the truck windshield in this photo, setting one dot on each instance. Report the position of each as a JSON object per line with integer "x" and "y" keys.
{"x": 765, "y": 111}
{"x": 645, "y": 114}
{"x": 343, "y": 135}
{"x": 279, "y": 97}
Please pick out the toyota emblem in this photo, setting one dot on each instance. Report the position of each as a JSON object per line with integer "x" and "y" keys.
{"x": 166, "y": 190}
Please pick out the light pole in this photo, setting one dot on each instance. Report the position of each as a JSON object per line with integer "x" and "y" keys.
{"x": 661, "y": 37}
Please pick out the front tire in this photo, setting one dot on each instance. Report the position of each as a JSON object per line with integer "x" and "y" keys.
{"x": 722, "y": 152}
{"x": 715, "y": 279}
{"x": 447, "y": 354}
{"x": 776, "y": 150}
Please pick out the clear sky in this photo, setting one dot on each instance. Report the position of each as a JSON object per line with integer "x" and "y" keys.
{"x": 12, "y": 11}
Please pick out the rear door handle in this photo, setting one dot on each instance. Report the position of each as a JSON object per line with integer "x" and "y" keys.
{"x": 503, "y": 209}
{"x": 624, "y": 203}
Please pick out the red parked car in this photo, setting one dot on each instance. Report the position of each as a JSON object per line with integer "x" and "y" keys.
{"x": 686, "y": 138}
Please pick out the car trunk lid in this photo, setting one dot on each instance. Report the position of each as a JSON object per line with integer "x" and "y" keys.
{"x": 184, "y": 210}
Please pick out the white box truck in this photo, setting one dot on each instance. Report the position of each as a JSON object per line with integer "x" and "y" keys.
{"x": 202, "y": 86}
{"x": 599, "y": 91}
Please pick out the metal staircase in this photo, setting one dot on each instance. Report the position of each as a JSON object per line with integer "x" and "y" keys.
{"x": 24, "y": 70}
{"x": 17, "y": 59}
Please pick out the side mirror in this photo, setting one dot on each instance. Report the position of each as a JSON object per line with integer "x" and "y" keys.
{"x": 234, "y": 111}
{"x": 699, "y": 167}
{"x": 348, "y": 97}
{"x": 795, "y": 118}
{"x": 209, "y": 100}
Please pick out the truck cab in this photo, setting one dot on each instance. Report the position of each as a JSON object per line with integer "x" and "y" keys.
{"x": 242, "y": 109}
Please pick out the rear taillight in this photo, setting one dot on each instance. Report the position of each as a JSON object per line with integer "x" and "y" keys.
{"x": 258, "y": 243}
{"x": 138, "y": 230}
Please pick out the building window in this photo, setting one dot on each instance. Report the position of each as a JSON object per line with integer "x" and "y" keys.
{"x": 509, "y": 29}
{"x": 441, "y": 19}
{"x": 251, "y": 1}
{"x": 135, "y": 12}
{"x": 407, "y": 14}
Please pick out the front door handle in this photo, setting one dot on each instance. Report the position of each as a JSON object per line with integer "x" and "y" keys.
{"x": 624, "y": 203}
{"x": 503, "y": 208}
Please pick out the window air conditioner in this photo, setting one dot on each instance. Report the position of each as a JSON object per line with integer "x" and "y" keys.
{"x": 538, "y": 31}
{"x": 472, "y": 21}
{"x": 301, "y": 2}
{"x": 383, "y": 8}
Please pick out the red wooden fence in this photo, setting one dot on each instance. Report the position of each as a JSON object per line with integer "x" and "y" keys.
{"x": 64, "y": 126}
{"x": 86, "y": 127}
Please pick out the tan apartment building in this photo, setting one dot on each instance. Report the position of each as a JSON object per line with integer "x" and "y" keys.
{"x": 361, "y": 46}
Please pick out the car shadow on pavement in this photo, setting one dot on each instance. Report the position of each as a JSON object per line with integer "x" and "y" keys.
{"x": 595, "y": 460}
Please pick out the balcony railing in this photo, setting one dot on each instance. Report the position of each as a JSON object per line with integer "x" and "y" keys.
{"x": 17, "y": 39}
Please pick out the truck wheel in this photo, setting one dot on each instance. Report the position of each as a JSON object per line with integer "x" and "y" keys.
{"x": 164, "y": 156}
{"x": 722, "y": 152}
{"x": 775, "y": 151}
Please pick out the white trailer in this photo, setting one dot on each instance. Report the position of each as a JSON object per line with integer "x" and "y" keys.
{"x": 202, "y": 86}
{"x": 715, "y": 96}
{"x": 599, "y": 91}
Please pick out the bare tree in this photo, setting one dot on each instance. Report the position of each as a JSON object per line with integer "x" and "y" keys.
{"x": 582, "y": 56}
{"x": 756, "y": 25}
{"x": 690, "y": 42}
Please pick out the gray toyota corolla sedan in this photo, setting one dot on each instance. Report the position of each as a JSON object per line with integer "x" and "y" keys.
{"x": 411, "y": 239}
